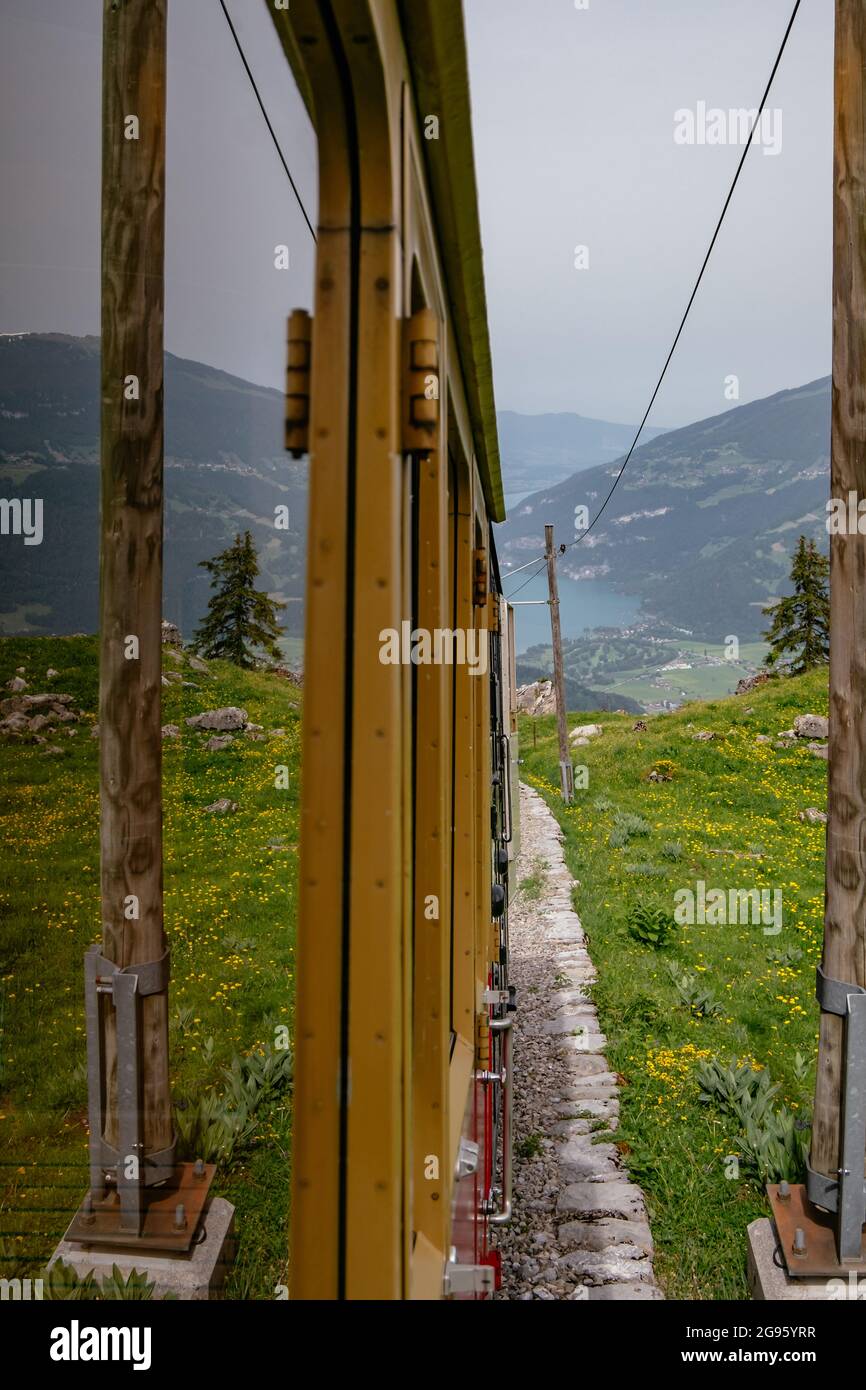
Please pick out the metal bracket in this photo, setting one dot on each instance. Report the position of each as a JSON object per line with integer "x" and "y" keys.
{"x": 127, "y": 986}
{"x": 468, "y": 1278}
{"x": 847, "y": 1195}
{"x": 495, "y": 996}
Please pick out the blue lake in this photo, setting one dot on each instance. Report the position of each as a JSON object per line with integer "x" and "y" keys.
{"x": 582, "y": 604}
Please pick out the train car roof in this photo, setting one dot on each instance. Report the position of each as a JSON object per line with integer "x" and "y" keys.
{"x": 435, "y": 40}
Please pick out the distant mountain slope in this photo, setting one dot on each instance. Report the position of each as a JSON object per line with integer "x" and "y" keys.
{"x": 703, "y": 523}
{"x": 225, "y": 470}
{"x": 538, "y": 451}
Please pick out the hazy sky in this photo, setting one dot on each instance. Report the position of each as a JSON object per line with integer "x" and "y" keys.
{"x": 574, "y": 136}
{"x": 574, "y": 128}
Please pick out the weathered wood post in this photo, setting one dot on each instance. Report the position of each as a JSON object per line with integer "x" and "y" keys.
{"x": 130, "y": 674}
{"x": 840, "y": 1102}
{"x": 565, "y": 770}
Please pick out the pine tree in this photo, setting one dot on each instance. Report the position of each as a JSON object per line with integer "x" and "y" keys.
{"x": 801, "y": 621}
{"x": 240, "y": 618}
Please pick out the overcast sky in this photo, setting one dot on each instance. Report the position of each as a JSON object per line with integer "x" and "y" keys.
{"x": 574, "y": 114}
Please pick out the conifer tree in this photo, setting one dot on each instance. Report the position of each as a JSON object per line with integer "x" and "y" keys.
{"x": 799, "y": 634}
{"x": 240, "y": 618}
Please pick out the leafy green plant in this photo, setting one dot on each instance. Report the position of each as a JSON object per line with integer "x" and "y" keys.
{"x": 672, "y": 850}
{"x": 632, "y": 825}
{"x": 651, "y": 926}
{"x": 602, "y": 803}
{"x": 790, "y": 955}
{"x": 530, "y": 1147}
{"x": 217, "y": 1125}
{"x": 775, "y": 1147}
{"x": 773, "y": 1142}
{"x": 63, "y": 1283}
{"x": 692, "y": 993}
{"x": 737, "y": 1091}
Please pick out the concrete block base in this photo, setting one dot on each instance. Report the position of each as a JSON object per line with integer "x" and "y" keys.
{"x": 770, "y": 1282}
{"x": 198, "y": 1275}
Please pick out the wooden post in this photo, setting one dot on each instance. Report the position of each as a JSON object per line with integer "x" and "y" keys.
{"x": 130, "y": 675}
{"x": 558, "y": 680}
{"x": 845, "y": 904}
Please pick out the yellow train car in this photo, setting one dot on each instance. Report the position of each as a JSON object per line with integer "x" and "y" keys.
{"x": 403, "y": 1060}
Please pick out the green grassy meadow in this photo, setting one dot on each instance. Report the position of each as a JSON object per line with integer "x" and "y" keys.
{"x": 729, "y": 817}
{"x": 230, "y": 909}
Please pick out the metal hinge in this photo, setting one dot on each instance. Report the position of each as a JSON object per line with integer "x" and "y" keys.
{"x": 467, "y": 1278}
{"x": 298, "y": 367}
{"x": 421, "y": 383}
{"x": 480, "y": 586}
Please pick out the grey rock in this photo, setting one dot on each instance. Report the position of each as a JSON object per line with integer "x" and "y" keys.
{"x": 223, "y": 807}
{"x": 51, "y": 674}
{"x": 171, "y": 634}
{"x": 624, "y": 1293}
{"x": 812, "y": 816}
{"x": 819, "y": 750}
{"x": 705, "y": 736}
{"x": 220, "y": 720}
{"x": 600, "y": 1199}
{"x": 601, "y": 1235}
{"x": 218, "y": 743}
{"x": 196, "y": 664}
{"x": 812, "y": 726}
{"x": 16, "y": 684}
{"x": 619, "y": 1264}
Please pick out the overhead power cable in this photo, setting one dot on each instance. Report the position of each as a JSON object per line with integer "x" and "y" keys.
{"x": 254, "y": 86}
{"x": 694, "y": 292}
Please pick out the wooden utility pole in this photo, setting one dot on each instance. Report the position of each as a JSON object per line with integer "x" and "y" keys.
{"x": 844, "y": 956}
{"x": 130, "y": 675}
{"x": 565, "y": 772}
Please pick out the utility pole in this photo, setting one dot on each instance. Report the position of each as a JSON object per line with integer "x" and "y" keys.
{"x": 566, "y": 776}
{"x": 844, "y": 956}
{"x": 130, "y": 656}
{"x": 138, "y": 1194}
{"x": 820, "y": 1227}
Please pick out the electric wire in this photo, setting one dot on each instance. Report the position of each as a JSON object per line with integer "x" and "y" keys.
{"x": 263, "y": 109}
{"x": 694, "y": 293}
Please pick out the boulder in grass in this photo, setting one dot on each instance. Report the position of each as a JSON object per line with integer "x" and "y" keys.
{"x": 812, "y": 816}
{"x": 811, "y": 726}
{"x": 221, "y": 721}
{"x": 16, "y": 685}
{"x": 705, "y": 736}
{"x": 819, "y": 750}
{"x": 223, "y": 807}
{"x": 218, "y": 743}
{"x": 586, "y": 731}
{"x": 168, "y": 731}
{"x": 51, "y": 674}
{"x": 171, "y": 634}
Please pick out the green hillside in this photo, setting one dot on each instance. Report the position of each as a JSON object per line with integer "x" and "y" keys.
{"x": 704, "y": 521}
{"x": 230, "y": 904}
{"x": 728, "y": 817}
{"x": 225, "y": 470}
